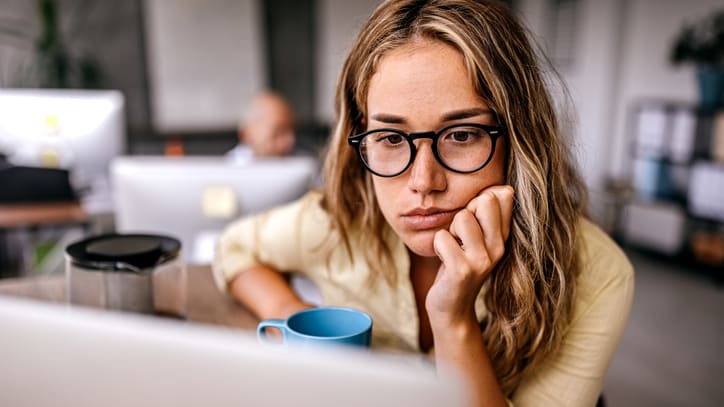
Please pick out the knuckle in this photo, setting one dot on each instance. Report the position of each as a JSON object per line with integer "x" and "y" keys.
{"x": 462, "y": 214}
{"x": 480, "y": 260}
{"x": 482, "y": 202}
{"x": 438, "y": 239}
{"x": 497, "y": 252}
{"x": 460, "y": 218}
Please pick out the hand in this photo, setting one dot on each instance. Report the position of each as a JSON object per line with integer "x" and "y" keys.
{"x": 471, "y": 248}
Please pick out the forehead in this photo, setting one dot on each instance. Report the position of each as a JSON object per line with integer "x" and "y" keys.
{"x": 423, "y": 75}
{"x": 274, "y": 107}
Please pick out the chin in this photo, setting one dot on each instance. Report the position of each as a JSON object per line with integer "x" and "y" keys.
{"x": 421, "y": 244}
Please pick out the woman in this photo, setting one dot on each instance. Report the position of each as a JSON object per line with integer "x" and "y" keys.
{"x": 443, "y": 117}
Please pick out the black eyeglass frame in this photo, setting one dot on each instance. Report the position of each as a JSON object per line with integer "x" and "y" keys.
{"x": 494, "y": 131}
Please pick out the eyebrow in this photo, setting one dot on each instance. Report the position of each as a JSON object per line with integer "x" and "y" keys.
{"x": 387, "y": 118}
{"x": 450, "y": 116}
{"x": 465, "y": 114}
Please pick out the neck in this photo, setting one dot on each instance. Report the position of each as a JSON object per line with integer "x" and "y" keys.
{"x": 422, "y": 275}
{"x": 424, "y": 264}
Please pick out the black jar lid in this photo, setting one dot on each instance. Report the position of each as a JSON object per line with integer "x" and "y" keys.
{"x": 119, "y": 251}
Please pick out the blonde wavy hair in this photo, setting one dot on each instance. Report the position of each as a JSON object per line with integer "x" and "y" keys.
{"x": 529, "y": 293}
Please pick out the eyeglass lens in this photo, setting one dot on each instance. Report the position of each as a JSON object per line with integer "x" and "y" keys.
{"x": 461, "y": 148}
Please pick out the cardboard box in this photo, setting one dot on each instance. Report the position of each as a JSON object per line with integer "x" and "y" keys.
{"x": 659, "y": 226}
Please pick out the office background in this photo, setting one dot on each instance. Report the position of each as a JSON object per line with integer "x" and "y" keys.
{"x": 187, "y": 67}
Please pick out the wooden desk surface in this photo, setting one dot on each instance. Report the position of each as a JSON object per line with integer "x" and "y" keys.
{"x": 203, "y": 301}
{"x": 38, "y": 214}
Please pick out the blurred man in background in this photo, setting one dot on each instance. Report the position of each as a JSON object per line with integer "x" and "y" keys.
{"x": 266, "y": 128}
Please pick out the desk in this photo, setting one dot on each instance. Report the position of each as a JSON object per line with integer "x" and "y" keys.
{"x": 41, "y": 214}
{"x": 22, "y": 217}
{"x": 204, "y": 303}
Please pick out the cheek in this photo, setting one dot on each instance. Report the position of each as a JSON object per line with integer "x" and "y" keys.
{"x": 494, "y": 172}
{"x": 385, "y": 190}
{"x": 500, "y": 161}
{"x": 497, "y": 172}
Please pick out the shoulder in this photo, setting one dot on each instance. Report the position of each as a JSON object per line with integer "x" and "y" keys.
{"x": 306, "y": 218}
{"x": 605, "y": 273}
{"x": 306, "y": 210}
{"x": 601, "y": 304}
{"x": 599, "y": 253}
{"x": 283, "y": 219}
{"x": 310, "y": 207}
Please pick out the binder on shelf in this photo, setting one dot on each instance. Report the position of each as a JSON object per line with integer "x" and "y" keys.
{"x": 706, "y": 190}
{"x": 683, "y": 134}
{"x": 651, "y": 131}
{"x": 653, "y": 179}
{"x": 677, "y": 176}
{"x": 704, "y": 130}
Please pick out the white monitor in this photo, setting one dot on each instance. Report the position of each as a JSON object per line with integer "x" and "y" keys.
{"x": 79, "y": 130}
{"x": 56, "y": 355}
{"x": 194, "y": 198}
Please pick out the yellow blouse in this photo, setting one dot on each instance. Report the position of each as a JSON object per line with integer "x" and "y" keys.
{"x": 292, "y": 239}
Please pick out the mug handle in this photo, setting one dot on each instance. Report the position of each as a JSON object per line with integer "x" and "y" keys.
{"x": 271, "y": 323}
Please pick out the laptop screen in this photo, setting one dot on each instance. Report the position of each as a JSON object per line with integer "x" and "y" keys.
{"x": 54, "y": 354}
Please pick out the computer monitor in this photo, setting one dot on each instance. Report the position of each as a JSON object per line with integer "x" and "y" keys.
{"x": 77, "y": 130}
{"x": 56, "y": 355}
{"x": 194, "y": 198}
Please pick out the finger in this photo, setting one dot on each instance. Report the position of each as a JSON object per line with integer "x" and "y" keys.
{"x": 504, "y": 196}
{"x": 488, "y": 214}
{"x": 466, "y": 227}
{"x": 447, "y": 249}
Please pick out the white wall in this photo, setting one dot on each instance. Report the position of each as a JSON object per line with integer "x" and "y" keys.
{"x": 205, "y": 59}
{"x": 589, "y": 75}
{"x": 590, "y": 78}
{"x": 339, "y": 22}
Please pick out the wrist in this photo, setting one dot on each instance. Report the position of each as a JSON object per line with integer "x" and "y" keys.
{"x": 456, "y": 329}
{"x": 286, "y": 309}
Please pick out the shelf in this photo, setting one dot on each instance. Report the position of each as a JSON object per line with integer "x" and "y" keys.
{"x": 675, "y": 179}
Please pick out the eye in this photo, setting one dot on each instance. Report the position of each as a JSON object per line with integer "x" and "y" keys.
{"x": 394, "y": 138}
{"x": 389, "y": 138}
{"x": 463, "y": 135}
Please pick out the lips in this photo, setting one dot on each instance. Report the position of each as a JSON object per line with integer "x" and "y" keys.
{"x": 428, "y": 218}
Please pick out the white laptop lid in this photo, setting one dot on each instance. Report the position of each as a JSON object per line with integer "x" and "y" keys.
{"x": 194, "y": 198}
{"x": 55, "y": 355}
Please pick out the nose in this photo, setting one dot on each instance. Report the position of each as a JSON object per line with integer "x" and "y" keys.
{"x": 426, "y": 173}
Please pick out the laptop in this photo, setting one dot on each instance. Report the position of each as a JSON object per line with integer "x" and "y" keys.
{"x": 194, "y": 198}
{"x": 54, "y": 354}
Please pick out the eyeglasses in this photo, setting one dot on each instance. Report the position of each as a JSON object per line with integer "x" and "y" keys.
{"x": 461, "y": 148}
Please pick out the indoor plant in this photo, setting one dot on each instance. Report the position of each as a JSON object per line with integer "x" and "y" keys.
{"x": 53, "y": 64}
{"x": 702, "y": 44}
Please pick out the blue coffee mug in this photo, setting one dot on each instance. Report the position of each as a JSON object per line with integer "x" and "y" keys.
{"x": 321, "y": 326}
